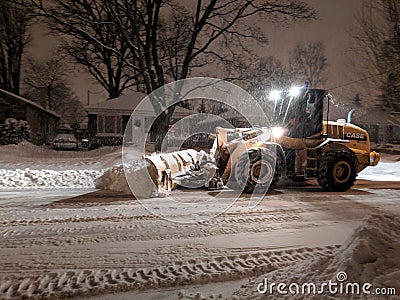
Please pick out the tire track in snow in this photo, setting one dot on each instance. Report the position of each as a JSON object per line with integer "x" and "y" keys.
{"x": 74, "y": 219}
{"x": 132, "y": 228}
{"x": 230, "y": 219}
{"x": 244, "y": 219}
{"x": 219, "y": 268}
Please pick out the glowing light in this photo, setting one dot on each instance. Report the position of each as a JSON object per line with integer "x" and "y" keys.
{"x": 275, "y": 95}
{"x": 277, "y": 132}
{"x": 294, "y": 91}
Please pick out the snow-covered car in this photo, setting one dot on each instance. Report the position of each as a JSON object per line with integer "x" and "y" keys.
{"x": 65, "y": 141}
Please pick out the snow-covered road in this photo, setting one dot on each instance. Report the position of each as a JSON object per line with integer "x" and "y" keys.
{"x": 89, "y": 243}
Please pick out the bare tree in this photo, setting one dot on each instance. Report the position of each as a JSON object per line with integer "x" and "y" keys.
{"x": 46, "y": 76}
{"x": 377, "y": 48}
{"x": 89, "y": 36}
{"x": 45, "y": 83}
{"x": 266, "y": 74}
{"x": 168, "y": 41}
{"x": 357, "y": 100}
{"x": 15, "y": 20}
{"x": 308, "y": 63}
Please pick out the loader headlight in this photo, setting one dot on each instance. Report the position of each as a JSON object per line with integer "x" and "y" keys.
{"x": 275, "y": 95}
{"x": 277, "y": 132}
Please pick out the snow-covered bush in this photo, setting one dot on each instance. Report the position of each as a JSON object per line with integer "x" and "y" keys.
{"x": 13, "y": 132}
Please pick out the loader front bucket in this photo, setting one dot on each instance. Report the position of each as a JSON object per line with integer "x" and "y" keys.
{"x": 164, "y": 168}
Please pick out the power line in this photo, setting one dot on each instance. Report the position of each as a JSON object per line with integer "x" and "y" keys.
{"x": 355, "y": 81}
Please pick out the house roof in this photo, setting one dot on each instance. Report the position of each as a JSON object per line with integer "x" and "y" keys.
{"x": 126, "y": 104}
{"x": 12, "y": 96}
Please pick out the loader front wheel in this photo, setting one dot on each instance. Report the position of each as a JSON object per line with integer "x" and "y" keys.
{"x": 255, "y": 170}
{"x": 337, "y": 171}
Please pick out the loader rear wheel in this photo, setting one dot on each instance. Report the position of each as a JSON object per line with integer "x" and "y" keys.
{"x": 337, "y": 171}
{"x": 255, "y": 170}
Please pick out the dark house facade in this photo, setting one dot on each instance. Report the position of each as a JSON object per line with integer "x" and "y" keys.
{"x": 108, "y": 119}
{"x": 43, "y": 123}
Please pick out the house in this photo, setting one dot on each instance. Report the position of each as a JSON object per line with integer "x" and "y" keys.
{"x": 382, "y": 126}
{"x": 43, "y": 123}
{"x": 107, "y": 120}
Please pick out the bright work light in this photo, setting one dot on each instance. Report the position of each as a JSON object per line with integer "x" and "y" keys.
{"x": 275, "y": 95}
{"x": 294, "y": 91}
{"x": 277, "y": 132}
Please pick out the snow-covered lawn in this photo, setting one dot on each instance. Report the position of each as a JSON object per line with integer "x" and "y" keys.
{"x": 26, "y": 166}
{"x": 384, "y": 171}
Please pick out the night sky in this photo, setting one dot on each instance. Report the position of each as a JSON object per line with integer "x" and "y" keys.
{"x": 335, "y": 20}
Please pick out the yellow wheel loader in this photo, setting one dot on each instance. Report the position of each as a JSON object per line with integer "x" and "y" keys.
{"x": 301, "y": 144}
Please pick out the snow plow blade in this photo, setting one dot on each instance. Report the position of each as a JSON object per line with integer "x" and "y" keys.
{"x": 165, "y": 168}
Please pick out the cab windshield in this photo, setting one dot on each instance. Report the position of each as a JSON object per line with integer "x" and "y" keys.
{"x": 300, "y": 115}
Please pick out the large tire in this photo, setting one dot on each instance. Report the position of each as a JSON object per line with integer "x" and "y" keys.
{"x": 337, "y": 171}
{"x": 255, "y": 171}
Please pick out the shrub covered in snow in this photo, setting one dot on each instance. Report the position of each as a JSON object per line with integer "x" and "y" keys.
{"x": 13, "y": 132}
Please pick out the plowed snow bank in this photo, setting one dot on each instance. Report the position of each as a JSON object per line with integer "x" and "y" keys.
{"x": 115, "y": 179}
{"x": 370, "y": 255}
{"x": 384, "y": 171}
{"x": 33, "y": 179}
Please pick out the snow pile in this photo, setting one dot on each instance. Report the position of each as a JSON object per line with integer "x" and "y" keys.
{"x": 183, "y": 295}
{"x": 31, "y": 179}
{"x": 115, "y": 179}
{"x": 384, "y": 171}
{"x": 23, "y": 149}
{"x": 370, "y": 255}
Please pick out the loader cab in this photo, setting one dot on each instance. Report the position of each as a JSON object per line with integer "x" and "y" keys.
{"x": 300, "y": 112}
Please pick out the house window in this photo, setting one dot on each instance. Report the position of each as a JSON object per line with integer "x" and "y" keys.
{"x": 109, "y": 124}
